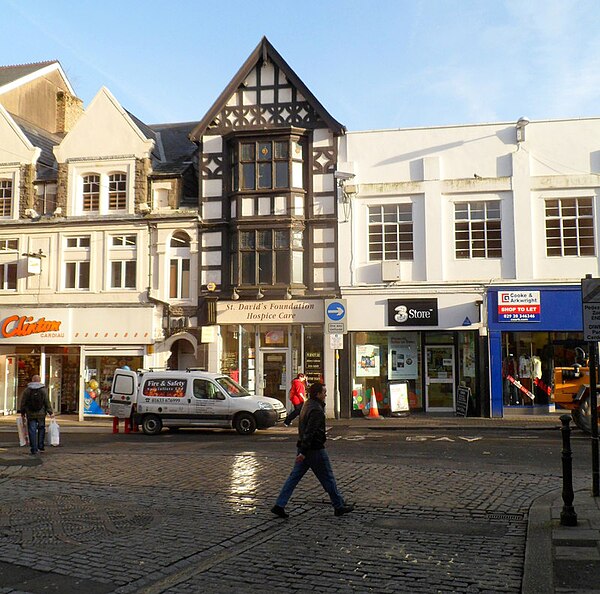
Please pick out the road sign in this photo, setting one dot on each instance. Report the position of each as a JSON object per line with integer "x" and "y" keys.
{"x": 590, "y": 290}
{"x": 591, "y": 322}
{"x": 335, "y": 316}
{"x": 336, "y": 341}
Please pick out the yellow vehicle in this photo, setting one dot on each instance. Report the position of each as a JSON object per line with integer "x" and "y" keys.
{"x": 572, "y": 392}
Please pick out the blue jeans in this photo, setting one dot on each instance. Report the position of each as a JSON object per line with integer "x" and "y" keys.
{"x": 318, "y": 462}
{"x": 37, "y": 434}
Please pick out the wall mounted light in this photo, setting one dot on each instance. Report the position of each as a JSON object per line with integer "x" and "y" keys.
{"x": 234, "y": 294}
{"x": 521, "y": 123}
{"x": 260, "y": 294}
{"x": 288, "y": 294}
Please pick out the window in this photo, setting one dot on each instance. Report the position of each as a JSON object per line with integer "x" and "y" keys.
{"x": 267, "y": 257}
{"x": 179, "y": 266}
{"x": 124, "y": 240}
{"x": 123, "y": 274}
{"x": 9, "y": 245}
{"x": 477, "y": 229}
{"x": 117, "y": 191}
{"x": 8, "y": 277}
{"x": 569, "y": 227}
{"x": 78, "y": 242}
{"x": 77, "y": 275}
{"x": 206, "y": 390}
{"x": 266, "y": 164}
{"x": 91, "y": 193}
{"x": 391, "y": 232}
{"x": 46, "y": 194}
{"x": 6, "y": 193}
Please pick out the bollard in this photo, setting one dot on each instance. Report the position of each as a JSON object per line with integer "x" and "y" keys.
{"x": 568, "y": 517}
{"x": 115, "y": 424}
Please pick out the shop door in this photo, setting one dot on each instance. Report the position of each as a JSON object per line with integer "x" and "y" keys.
{"x": 439, "y": 378}
{"x": 273, "y": 366}
{"x": 53, "y": 380}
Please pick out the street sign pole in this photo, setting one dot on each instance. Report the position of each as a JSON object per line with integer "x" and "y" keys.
{"x": 336, "y": 405}
{"x": 594, "y": 417}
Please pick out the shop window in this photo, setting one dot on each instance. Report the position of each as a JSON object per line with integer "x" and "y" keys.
{"x": 390, "y": 232}
{"x": 477, "y": 227}
{"x": 569, "y": 227}
{"x": 6, "y": 197}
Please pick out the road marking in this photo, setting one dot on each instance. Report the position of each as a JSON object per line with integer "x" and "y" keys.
{"x": 443, "y": 438}
{"x": 523, "y": 437}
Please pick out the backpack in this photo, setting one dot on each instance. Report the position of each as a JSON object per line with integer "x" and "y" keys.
{"x": 35, "y": 400}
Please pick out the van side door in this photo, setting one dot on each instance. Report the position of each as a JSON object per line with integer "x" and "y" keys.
{"x": 209, "y": 407}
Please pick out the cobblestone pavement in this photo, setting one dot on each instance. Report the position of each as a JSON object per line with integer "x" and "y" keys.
{"x": 193, "y": 522}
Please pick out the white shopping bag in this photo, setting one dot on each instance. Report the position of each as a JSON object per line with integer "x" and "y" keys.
{"x": 22, "y": 431}
{"x": 54, "y": 431}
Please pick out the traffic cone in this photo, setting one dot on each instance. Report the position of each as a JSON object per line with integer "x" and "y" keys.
{"x": 373, "y": 410}
{"x": 115, "y": 424}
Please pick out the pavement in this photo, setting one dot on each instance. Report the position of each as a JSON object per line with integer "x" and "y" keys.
{"x": 561, "y": 559}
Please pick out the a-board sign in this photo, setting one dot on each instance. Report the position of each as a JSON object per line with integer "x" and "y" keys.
{"x": 463, "y": 395}
{"x": 399, "y": 397}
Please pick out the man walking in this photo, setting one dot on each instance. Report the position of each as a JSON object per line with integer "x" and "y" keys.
{"x": 297, "y": 398}
{"x": 312, "y": 454}
{"x": 35, "y": 404}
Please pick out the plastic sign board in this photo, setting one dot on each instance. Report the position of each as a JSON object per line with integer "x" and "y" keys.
{"x": 335, "y": 316}
{"x": 336, "y": 341}
{"x": 519, "y": 306}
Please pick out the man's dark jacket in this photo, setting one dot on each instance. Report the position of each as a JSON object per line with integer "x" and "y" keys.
{"x": 311, "y": 430}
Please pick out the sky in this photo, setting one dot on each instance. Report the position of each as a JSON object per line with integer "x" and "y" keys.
{"x": 372, "y": 64}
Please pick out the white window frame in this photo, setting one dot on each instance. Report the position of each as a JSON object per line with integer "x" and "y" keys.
{"x": 123, "y": 266}
{"x": 470, "y": 221}
{"x": 398, "y": 253}
{"x": 12, "y": 178}
{"x": 121, "y": 248}
{"x": 179, "y": 255}
{"x": 563, "y": 220}
{"x": 75, "y": 255}
{"x": 4, "y": 276}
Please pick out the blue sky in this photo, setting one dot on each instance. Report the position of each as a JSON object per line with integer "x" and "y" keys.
{"x": 377, "y": 64}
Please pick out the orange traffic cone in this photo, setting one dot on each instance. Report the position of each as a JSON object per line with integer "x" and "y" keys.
{"x": 373, "y": 410}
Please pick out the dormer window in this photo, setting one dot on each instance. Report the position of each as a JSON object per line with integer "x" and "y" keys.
{"x": 117, "y": 191}
{"x": 91, "y": 193}
{"x": 6, "y": 197}
{"x": 102, "y": 192}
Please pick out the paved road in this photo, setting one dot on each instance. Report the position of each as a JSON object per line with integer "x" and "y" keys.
{"x": 189, "y": 512}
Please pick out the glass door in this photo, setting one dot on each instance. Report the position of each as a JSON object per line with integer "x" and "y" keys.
{"x": 275, "y": 380}
{"x": 439, "y": 378}
{"x": 53, "y": 380}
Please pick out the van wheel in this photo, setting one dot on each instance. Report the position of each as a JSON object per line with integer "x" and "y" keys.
{"x": 245, "y": 424}
{"x": 151, "y": 425}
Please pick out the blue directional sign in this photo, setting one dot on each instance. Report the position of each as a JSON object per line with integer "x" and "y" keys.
{"x": 336, "y": 311}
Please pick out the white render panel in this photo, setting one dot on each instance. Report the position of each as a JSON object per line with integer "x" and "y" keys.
{"x": 211, "y": 276}
{"x": 211, "y": 258}
{"x": 324, "y": 275}
{"x": 323, "y": 235}
{"x": 211, "y": 239}
{"x": 322, "y": 137}
{"x": 212, "y": 210}
{"x": 212, "y": 144}
{"x": 212, "y": 187}
{"x": 323, "y": 182}
{"x": 267, "y": 74}
{"x": 324, "y": 255}
{"x": 323, "y": 205}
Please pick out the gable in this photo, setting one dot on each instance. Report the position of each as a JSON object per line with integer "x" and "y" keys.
{"x": 105, "y": 130}
{"x": 15, "y": 148}
{"x": 265, "y": 93}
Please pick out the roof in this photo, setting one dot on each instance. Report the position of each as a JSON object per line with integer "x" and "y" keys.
{"x": 10, "y": 74}
{"x": 46, "y": 164}
{"x": 264, "y": 50}
{"x": 175, "y": 147}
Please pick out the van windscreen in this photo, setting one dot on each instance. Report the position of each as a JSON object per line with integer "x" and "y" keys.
{"x": 231, "y": 387}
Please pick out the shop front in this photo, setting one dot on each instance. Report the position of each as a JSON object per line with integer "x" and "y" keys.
{"x": 532, "y": 331}
{"x": 423, "y": 351}
{"x": 74, "y": 350}
{"x": 263, "y": 345}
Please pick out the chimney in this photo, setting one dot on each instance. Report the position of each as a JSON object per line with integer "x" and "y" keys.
{"x": 68, "y": 110}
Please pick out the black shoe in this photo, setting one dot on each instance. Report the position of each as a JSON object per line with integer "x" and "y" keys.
{"x": 345, "y": 509}
{"x": 279, "y": 511}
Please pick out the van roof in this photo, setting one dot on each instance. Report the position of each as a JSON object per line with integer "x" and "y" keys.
{"x": 180, "y": 372}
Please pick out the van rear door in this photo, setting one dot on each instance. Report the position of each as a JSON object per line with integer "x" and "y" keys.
{"x": 123, "y": 393}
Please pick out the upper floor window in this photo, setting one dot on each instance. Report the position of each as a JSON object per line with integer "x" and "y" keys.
{"x": 46, "y": 193}
{"x": 267, "y": 257}
{"x": 266, "y": 164}
{"x": 179, "y": 266}
{"x": 9, "y": 245}
{"x": 570, "y": 227}
{"x": 477, "y": 228}
{"x": 82, "y": 241}
{"x": 124, "y": 240}
{"x": 6, "y": 197}
{"x": 91, "y": 193}
{"x": 123, "y": 274}
{"x": 117, "y": 191}
{"x": 8, "y": 277}
{"x": 391, "y": 232}
{"x": 77, "y": 262}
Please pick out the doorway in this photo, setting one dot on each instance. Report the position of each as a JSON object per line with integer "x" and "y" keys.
{"x": 274, "y": 369}
{"x": 439, "y": 378}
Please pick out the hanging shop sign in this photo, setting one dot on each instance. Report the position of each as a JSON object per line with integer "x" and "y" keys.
{"x": 412, "y": 312}
{"x": 519, "y": 306}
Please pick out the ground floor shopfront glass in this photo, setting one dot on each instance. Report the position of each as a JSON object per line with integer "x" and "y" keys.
{"x": 528, "y": 364}
{"x": 265, "y": 358}
{"x": 416, "y": 371}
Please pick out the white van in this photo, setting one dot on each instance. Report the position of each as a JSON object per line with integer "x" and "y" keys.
{"x": 157, "y": 399}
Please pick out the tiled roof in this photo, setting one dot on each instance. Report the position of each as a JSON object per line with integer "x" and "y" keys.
{"x": 176, "y": 149}
{"x": 9, "y": 74}
{"x": 46, "y": 164}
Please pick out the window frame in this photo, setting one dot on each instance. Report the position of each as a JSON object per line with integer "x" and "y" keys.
{"x": 561, "y": 227}
{"x": 404, "y": 232}
{"x": 483, "y": 234}
{"x": 7, "y": 197}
